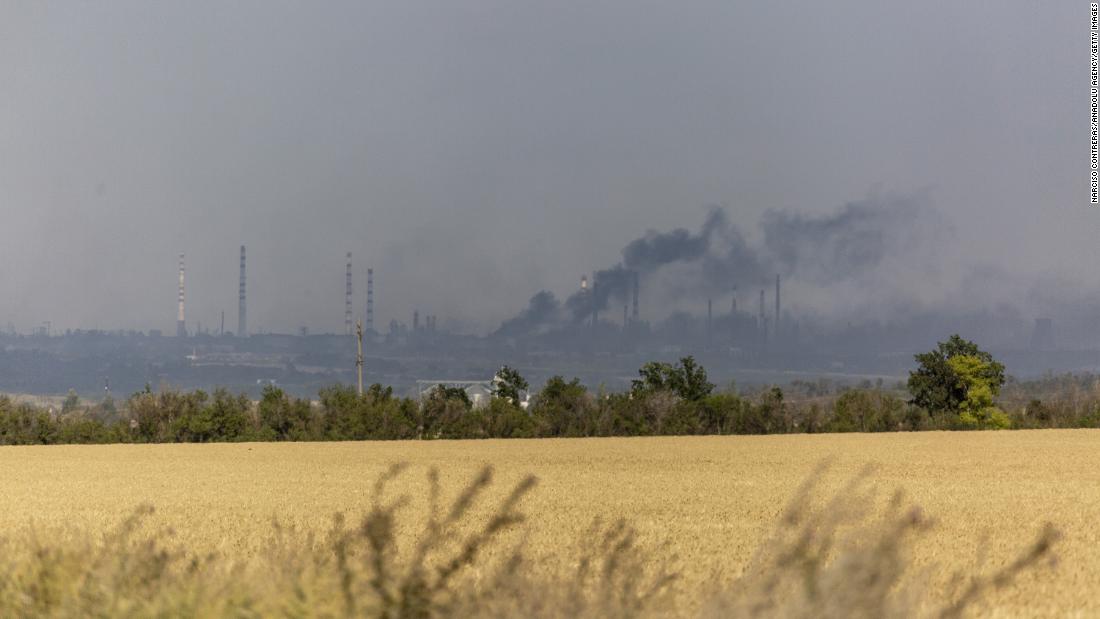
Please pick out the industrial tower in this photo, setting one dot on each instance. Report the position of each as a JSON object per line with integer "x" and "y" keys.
{"x": 347, "y": 300}
{"x": 634, "y": 277}
{"x": 370, "y": 299}
{"x": 242, "y": 315}
{"x": 595, "y": 301}
{"x": 181, "y": 326}
{"x": 776, "y": 328}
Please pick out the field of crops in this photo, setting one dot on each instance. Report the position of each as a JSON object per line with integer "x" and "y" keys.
{"x": 707, "y": 501}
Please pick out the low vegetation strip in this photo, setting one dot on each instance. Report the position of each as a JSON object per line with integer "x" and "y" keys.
{"x": 955, "y": 387}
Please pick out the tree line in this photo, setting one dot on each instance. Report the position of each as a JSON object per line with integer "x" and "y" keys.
{"x": 954, "y": 387}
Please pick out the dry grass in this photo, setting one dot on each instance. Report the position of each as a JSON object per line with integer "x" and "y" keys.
{"x": 707, "y": 506}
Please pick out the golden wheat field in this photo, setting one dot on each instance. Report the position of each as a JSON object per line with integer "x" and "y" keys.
{"x": 707, "y": 500}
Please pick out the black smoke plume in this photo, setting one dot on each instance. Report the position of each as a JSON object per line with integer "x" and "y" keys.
{"x": 840, "y": 247}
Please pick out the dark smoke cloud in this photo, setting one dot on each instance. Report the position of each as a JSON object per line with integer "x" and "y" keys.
{"x": 607, "y": 286}
{"x": 543, "y": 312}
{"x": 838, "y": 246}
{"x": 657, "y": 249}
{"x": 841, "y": 248}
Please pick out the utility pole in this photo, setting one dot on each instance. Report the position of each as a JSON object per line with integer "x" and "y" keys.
{"x": 359, "y": 354}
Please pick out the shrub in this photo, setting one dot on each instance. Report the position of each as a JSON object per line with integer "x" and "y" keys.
{"x": 282, "y": 419}
{"x": 563, "y": 409}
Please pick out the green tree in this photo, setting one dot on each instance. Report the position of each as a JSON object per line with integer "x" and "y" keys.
{"x": 71, "y": 403}
{"x": 24, "y": 424}
{"x": 718, "y": 413}
{"x": 860, "y": 410}
{"x": 563, "y": 408}
{"x": 506, "y": 420}
{"x": 1038, "y": 413}
{"x": 654, "y": 376}
{"x": 446, "y": 412}
{"x": 164, "y": 417}
{"x": 938, "y": 388}
{"x": 508, "y": 383}
{"x": 341, "y": 414}
{"x": 107, "y": 408}
{"x": 977, "y": 409}
{"x": 692, "y": 384}
{"x": 283, "y": 418}
{"x": 687, "y": 379}
{"x": 225, "y": 418}
{"x": 769, "y": 416}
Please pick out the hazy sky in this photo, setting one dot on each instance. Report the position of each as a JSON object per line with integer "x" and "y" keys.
{"x": 475, "y": 152}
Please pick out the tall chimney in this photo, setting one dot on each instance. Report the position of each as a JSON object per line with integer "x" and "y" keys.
{"x": 370, "y": 299}
{"x": 777, "y": 315}
{"x": 636, "y": 292}
{"x": 625, "y": 323}
{"x": 181, "y": 326}
{"x": 595, "y": 301}
{"x": 586, "y": 294}
{"x": 347, "y": 299}
{"x": 733, "y": 302}
{"x": 242, "y": 312}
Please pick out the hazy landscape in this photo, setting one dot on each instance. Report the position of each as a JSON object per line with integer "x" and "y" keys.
{"x": 417, "y": 309}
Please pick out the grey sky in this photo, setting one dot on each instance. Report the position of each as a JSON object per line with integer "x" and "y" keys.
{"x": 476, "y": 152}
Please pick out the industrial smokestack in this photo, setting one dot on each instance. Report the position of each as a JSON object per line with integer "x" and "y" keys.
{"x": 181, "y": 326}
{"x": 733, "y": 302}
{"x": 370, "y": 299}
{"x": 777, "y": 315}
{"x": 636, "y": 293}
{"x": 347, "y": 300}
{"x": 242, "y": 312}
{"x": 595, "y": 301}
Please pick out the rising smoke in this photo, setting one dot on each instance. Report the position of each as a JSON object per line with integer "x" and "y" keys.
{"x": 863, "y": 246}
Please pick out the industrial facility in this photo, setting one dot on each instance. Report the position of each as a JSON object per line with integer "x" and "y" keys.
{"x": 584, "y": 335}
